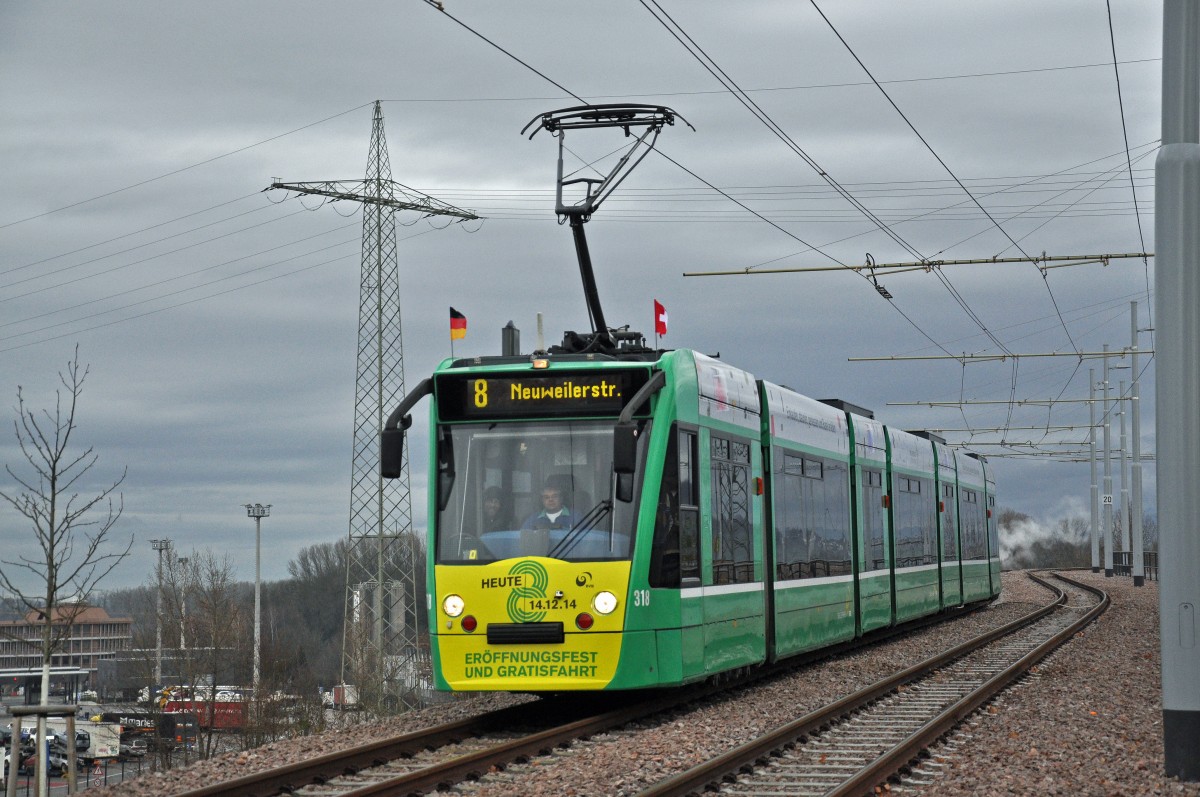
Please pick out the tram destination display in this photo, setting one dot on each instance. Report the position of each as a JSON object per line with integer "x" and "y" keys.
{"x": 566, "y": 394}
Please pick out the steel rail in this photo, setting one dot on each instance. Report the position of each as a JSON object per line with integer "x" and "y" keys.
{"x": 475, "y": 765}
{"x": 355, "y": 761}
{"x": 321, "y": 769}
{"x": 345, "y": 762}
{"x": 741, "y": 758}
{"x": 899, "y": 756}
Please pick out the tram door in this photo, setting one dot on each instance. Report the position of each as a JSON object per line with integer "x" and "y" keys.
{"x": 874, "y": 576}
{"x": 734, "y": 611}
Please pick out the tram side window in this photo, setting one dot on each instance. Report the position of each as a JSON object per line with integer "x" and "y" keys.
{"x": 675, "y": 500}
{"x": 732, "y": 541}
{"x": 912, "y": 522}
{"x": 949, "y": 535}
{"x": 689, "y": 508}
{"x": 974, "y": 537}
{"x": 873, "y": 519}
{"x": 812, "y": 517}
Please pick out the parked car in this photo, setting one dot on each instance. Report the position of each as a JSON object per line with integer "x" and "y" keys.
{"x": 132, "y": 748}
{"x": 56, "y": 765}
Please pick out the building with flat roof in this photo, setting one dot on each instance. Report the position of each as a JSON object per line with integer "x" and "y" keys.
{"x": 92, "y": 636}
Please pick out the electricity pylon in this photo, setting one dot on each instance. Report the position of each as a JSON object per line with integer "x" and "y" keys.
{"x": 384, "y": 556}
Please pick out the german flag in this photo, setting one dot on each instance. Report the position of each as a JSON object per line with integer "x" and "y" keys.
{"x": 458, "y": 325}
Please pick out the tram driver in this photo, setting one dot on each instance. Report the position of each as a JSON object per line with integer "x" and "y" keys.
{"x": 553, "y": 514}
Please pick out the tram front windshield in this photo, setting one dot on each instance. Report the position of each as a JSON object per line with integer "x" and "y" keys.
{"x": 529, "y": 489}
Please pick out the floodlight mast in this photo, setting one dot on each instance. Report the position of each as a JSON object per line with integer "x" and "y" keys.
{"x": 627, "y": 117}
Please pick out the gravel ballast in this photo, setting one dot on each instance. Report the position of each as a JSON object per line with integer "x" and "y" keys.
{"x": 1088, "y": 722}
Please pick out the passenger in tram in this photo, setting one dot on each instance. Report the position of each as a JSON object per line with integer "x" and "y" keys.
{"x": 497, "y": 514}
{"x": 553, "y": 515}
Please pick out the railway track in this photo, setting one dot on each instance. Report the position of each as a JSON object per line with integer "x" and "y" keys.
{"x": 467, "y": 749}
{"x": 425, "y": 760}
{"x": 848, "y": 747}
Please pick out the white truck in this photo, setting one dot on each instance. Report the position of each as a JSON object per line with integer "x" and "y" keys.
{"x": 105, "y": 740}
{"x": 93, "y": 739}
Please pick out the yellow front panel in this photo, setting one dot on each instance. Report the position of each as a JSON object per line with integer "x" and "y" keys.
{"x": 529, "y": 590}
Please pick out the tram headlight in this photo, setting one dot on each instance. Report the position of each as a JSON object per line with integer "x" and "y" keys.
{"x": 453, "y": 605}
{"x": 605, "y": 602}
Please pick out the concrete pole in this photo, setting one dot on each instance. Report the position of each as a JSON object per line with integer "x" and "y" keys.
{"x": 158, "y": 627}
{"x": 257, "y": 604}
{"x": 183, "y": 593}
{"x": 161, "y": 546}
{"x": 11, "y": 788}
{"x": 1124, "y": 445}
{"x": 1095, "y": 484}
{"x": 1135, "y": 525}
{"x": 1108, "y": 496}
{"x": 258, "y": 512}
{"x": 1177, "y": 393}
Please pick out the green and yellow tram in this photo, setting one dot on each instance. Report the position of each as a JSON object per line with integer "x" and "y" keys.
{"x": 640, "y": 518}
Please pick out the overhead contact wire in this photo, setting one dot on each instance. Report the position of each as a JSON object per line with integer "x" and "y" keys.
{"x": 945, "y": 166}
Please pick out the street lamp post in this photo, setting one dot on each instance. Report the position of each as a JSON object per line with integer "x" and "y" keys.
{"x": 182, "y": 562}
{"x": 160, "y": 546}
{"x": 258, "y": 512}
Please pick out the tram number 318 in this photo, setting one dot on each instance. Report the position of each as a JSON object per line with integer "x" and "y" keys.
{"x": 641, "y": 597}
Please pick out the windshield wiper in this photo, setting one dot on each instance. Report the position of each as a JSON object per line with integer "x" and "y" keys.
{"x": 581, "y": 527}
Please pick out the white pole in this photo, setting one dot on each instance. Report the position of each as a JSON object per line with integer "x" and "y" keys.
{"x": 1095, "y": 484}
{"x": 258, "y": 512}
{"x": 1177, "y": 393}
{"x": 1125, "y": 513}
{"x": 1135, "y": 525}
{"x": 1108, "y": 496}
{"x": 257, "y": 603}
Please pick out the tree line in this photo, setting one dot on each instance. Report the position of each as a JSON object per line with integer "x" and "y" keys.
{"x": 1026, "y": 543}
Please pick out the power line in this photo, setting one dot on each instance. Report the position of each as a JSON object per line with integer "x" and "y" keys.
{"x": 134, "y": 249}
{"x": 128, "y": 234}
{"x": 200, "y": 298}
{"x": 1112, "y": 38}
{"x": 440, "y": 7}
{"x": 181, "y": 170}
{"x": 764, "y": 89}
{"x": 177, "y": 277}
{"x": 147, "y": 259}
{"x": 710, "y": 65}
{"x": 949, "y": 171}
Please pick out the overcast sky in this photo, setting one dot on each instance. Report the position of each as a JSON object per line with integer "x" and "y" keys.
{"x": 136, "y": 139}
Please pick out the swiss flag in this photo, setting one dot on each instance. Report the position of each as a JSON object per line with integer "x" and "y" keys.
{"x": 660, "y": 319}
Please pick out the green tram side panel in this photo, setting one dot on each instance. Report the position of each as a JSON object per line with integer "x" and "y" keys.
{"x": 874, "y": 600}
{"x": 916, "y": 592}
{"x": 808, "y": 612}
{"x": 874, "y": 583}
{"x": 951, "y": 584}
{"x": 992, "y": 531}
{"x": 976, "y": 570}
{"x": 951, "y": 568}
{"x": 664, "y": 633}
{"x": 977, "y": 582}
{"x": 917, "y": 587}
{"x": 733, "y": 613}
{"x": 677, "y": 620}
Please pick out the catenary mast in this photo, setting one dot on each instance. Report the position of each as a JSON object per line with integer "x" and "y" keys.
{"x": 380, "y": 642}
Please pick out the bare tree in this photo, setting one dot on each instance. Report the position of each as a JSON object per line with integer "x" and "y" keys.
{"x": 72, "y": 531}
{"x": 218, "y": 631}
